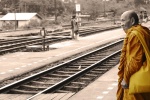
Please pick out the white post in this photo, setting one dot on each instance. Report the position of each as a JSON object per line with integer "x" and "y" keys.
{"x": 15, "y": 18}
{"x": 78, "y": 13}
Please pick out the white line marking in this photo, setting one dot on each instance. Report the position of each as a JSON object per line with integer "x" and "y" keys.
{"x": 24, "y": 66}
{"x": 59, "y": 45}
{"x": 48, "y": 58}
{"x": 110, "y": 88}
{"x": 114, "y": 84}
{"x": 10, "y": 70}
{"x": 35, "y": 62}
{"x": 44, "y": 59}
{"x": 18, "y": 55}
{"x": 17, "y": 68}
{"x": 105, "y": 92}
{"x": 29, "y": 64}
{"x": 40, "y": 61}
{"x": 100, "y": 97}
{"x": 4, "y": 58}
{"x": 3, "y": 73}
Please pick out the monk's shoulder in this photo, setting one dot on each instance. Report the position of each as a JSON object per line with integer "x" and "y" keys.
{"x": 132, "y": 33}
{"x": 132, "y": 37}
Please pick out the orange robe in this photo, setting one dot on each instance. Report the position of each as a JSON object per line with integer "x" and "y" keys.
{"x": 131, "y": 60}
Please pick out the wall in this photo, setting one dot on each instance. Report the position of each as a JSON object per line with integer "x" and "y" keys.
{"x": 26, "y": 22}
{"x": 22, "y": 23}
{"x": 36, "y": 18}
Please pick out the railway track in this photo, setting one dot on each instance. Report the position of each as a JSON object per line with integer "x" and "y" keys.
{"x": 20, "y": 44}
{"x": 86, "y": 31}
{"x": 15, "y": 45}
{"x": 70, "y": 76}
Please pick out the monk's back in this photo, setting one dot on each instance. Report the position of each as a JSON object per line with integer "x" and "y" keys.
{"x": 147, "y": 37}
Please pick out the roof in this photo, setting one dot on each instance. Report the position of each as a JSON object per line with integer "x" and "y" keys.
{"x": 142, "y": 9}
{"x": 19, "y": 16}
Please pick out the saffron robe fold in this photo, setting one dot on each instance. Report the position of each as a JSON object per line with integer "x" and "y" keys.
{"x": 138, "y": 83}
{"x": 131, "y": 60}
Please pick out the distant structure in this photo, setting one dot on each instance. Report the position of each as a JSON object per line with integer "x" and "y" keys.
{"x": 1, "y": 22}
{"x": 66, "y": 1}
{"x": 143, "y": 15}
{"x": 21, "y": 19}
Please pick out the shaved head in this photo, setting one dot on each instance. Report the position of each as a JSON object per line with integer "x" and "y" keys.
{"x": 131, "y": 14}
{"x": 129, "y": 19}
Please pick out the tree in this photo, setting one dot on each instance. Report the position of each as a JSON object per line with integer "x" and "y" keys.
{"x": 92, "y": 7}
{"x": 138, "y": 2}
{"x": 44, "y": 7}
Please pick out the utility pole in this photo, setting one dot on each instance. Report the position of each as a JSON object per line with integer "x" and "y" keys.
{"x": 25, "y": 7}
{"x": 104, "y": 8}
{"x": 55, "y": 5}
{"x": 15, "y": 18}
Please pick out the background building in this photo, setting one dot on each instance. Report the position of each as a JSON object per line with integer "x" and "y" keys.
{"x": 20, "y": 19}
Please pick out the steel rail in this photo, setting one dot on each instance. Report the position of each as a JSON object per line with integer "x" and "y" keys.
{"x": 21, "y": 43}
{"x": 10, "y": 86}
{"x": 72, "y": 77}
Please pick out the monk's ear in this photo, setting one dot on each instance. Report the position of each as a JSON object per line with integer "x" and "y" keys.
{"x": 132, "y": 21}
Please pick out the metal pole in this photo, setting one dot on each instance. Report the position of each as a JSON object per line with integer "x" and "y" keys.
{"x": 43, "y": 33}
{"x": 104, "y": 8}
{"x": 25, "y": 7}
{"x": 44, "y": 43}
{"x": 55, "y": 10}
{"x": 15, "y": 18}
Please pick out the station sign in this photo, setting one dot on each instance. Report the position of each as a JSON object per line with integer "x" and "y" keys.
{"x": 78, "y": 7}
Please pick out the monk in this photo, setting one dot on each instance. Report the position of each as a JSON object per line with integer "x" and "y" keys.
{"x": 132, "y": 56}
